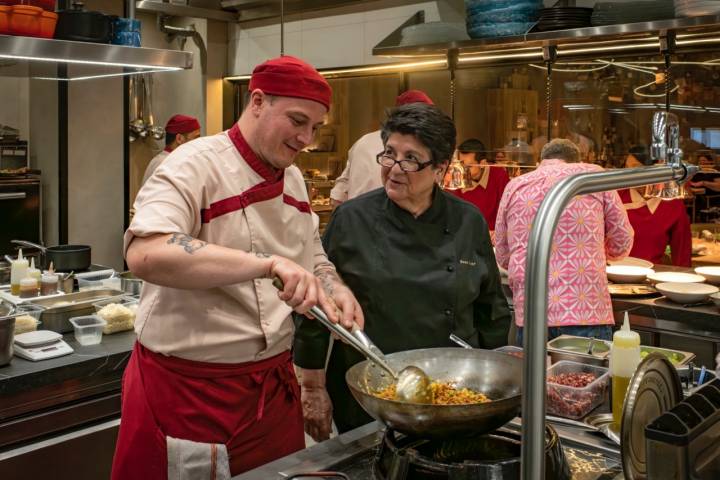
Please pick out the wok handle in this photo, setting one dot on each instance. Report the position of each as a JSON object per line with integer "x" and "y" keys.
{"x": 460, "y": 341}
{"x": 25, "y": 243}
{"x": 356, "y": 338}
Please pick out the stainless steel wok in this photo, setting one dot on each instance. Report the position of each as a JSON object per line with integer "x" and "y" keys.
{"x": 496, "y": 374}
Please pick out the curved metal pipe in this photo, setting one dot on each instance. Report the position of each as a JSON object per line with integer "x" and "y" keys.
{"x": 536, "y": 292}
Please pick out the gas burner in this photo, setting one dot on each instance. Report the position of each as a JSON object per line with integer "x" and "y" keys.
{"x": 493, "y": 456}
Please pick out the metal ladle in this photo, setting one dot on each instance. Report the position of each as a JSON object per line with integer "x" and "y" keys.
{"x": 412, "y": 383}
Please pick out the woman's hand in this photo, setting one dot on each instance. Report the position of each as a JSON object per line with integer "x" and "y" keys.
{"x": 316, "y": 404}
{"x": 317, "y": 412}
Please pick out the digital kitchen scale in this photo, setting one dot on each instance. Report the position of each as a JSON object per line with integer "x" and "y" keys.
{"x": 40, "y": 345}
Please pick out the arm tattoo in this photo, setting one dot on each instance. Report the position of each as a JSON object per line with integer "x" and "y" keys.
{"x": 189, "y": 244}
{"x": 328, "y": 279}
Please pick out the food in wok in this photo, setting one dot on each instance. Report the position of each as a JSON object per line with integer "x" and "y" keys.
{"x": 496, "y": 375}
{"x": 443, "y": 393}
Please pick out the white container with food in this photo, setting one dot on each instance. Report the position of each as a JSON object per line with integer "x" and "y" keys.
{"x": 28, "y": 318}
{"x": 88, "y": 329}
{"x": 686, "y": 292}
{"x": 119, "y": 313}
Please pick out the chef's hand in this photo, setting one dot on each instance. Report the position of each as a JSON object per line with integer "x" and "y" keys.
{"x": 348, "y": 306}
{"x": 301, "y": 289}
{"x": 317, "y": 412}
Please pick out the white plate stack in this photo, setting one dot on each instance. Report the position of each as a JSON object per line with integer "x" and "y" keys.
{"x": 696, "y": 8}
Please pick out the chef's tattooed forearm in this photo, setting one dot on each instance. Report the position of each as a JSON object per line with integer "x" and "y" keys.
{"x": 328, "y": 278}
{"x": 189, "y": 244}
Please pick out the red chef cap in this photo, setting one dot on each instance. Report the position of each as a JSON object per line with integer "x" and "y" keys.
{"x": 413, "y": 96}
{"x": 182, "y": 124}
{"x": 288, "y": 76}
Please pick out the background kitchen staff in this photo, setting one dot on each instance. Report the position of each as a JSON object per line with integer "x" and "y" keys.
{"x": 362, "y": 172}
{"x": 592, "y": 229}
{"x": 211, "y": 376}
{"x": 418, "y": 259}
{"x": 178, "y": 130}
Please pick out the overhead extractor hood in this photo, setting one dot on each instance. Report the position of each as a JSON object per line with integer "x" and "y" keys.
{"x": 96, "y": 59}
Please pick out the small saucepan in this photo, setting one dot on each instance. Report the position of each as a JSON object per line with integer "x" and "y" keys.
{"x": 65, "y": 258}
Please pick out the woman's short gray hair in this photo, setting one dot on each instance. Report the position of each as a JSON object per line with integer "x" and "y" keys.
{"x": 561, "y": 149}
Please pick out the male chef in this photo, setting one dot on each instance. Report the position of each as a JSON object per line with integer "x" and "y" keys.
{"x": 178, "y": 130}
{"x": 210, "y": 386}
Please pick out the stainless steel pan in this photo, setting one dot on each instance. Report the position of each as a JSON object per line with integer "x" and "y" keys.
{"x": 497, "y": 375}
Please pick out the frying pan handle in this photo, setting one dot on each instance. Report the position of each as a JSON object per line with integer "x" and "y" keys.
{"x": 25, "y": 243}
{"x": 356, "y": 338}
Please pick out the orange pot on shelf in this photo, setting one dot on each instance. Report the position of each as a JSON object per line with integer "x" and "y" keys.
{"x": 5, "y": 19}
{"x": 25, "y": 20}
{"x": 48, "y": 21}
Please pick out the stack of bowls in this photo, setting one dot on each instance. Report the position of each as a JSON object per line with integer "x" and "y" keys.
{"x": 500, "y": 18}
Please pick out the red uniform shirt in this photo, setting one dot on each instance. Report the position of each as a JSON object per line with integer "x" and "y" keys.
{"x": 658, "y": 224}
{"x": 486, "y": 193}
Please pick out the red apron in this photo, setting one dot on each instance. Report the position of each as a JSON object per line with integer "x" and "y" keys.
{"x": 252, "y": 408}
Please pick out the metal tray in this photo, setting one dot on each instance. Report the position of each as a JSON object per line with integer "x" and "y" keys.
{"x": 568, "y": 347}
{"x": 677, "y": 357}
{"x": 59, "y": 310}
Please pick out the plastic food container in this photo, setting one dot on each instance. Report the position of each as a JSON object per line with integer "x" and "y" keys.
{"x": 5, "y": 19}
{"x": 28, "y": 318}
{"x": 575, "y": 402}
{"x": 48, "y": 20}
{"x": 119, "y": 313}
{"x": 88, "y": 329}
{"x": 25, "y": 20}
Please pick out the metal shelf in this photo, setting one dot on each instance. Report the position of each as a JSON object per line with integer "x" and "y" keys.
{"x": 110, "y": 59}
{"x": 693, "y": 33}
{"x": 175, "y": 10}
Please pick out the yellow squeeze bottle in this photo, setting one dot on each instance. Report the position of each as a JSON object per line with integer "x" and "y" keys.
{"x": 624, "y": 359}
{"x": 18, "y": 271}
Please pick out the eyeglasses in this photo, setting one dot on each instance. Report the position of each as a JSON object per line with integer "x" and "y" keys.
{"x": 387, "y": 161}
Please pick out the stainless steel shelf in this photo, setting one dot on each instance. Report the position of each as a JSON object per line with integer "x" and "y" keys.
{"x": 174, "y": 10}
{"x": 97, "y": 54}
{"x": 693, "y": 33}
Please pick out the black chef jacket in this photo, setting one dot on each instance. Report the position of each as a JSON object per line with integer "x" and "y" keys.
{"x": 417, "y": 279}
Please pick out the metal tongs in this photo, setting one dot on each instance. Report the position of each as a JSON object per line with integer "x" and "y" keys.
{"x": 413, "y": 384}
{"x": 355, "y": 337}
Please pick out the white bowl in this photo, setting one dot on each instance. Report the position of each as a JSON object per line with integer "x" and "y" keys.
{"x": 712, "y": 274}
{"x": 686, "y": 292}
{"x": 633, "y": 262}
{"x": 627, "y": 273}
{"x": 715, "y": 297}
{"x": 675, "y": 277}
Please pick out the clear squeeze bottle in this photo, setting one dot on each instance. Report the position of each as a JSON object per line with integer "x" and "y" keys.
{"x": 624, "y": 359}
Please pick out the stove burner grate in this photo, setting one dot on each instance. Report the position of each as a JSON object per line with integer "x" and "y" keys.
{"x": 493, "y": 456}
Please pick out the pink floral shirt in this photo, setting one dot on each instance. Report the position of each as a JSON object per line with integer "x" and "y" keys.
{"x": 591, "y": 227}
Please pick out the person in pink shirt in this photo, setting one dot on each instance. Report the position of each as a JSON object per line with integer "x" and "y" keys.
{"x": 592, "y": 229}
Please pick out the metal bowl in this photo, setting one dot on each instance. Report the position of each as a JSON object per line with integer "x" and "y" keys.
{"x": 129, "y": 283}
{"x": 7, "y": 332}
{"x": 495, "y": 374}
